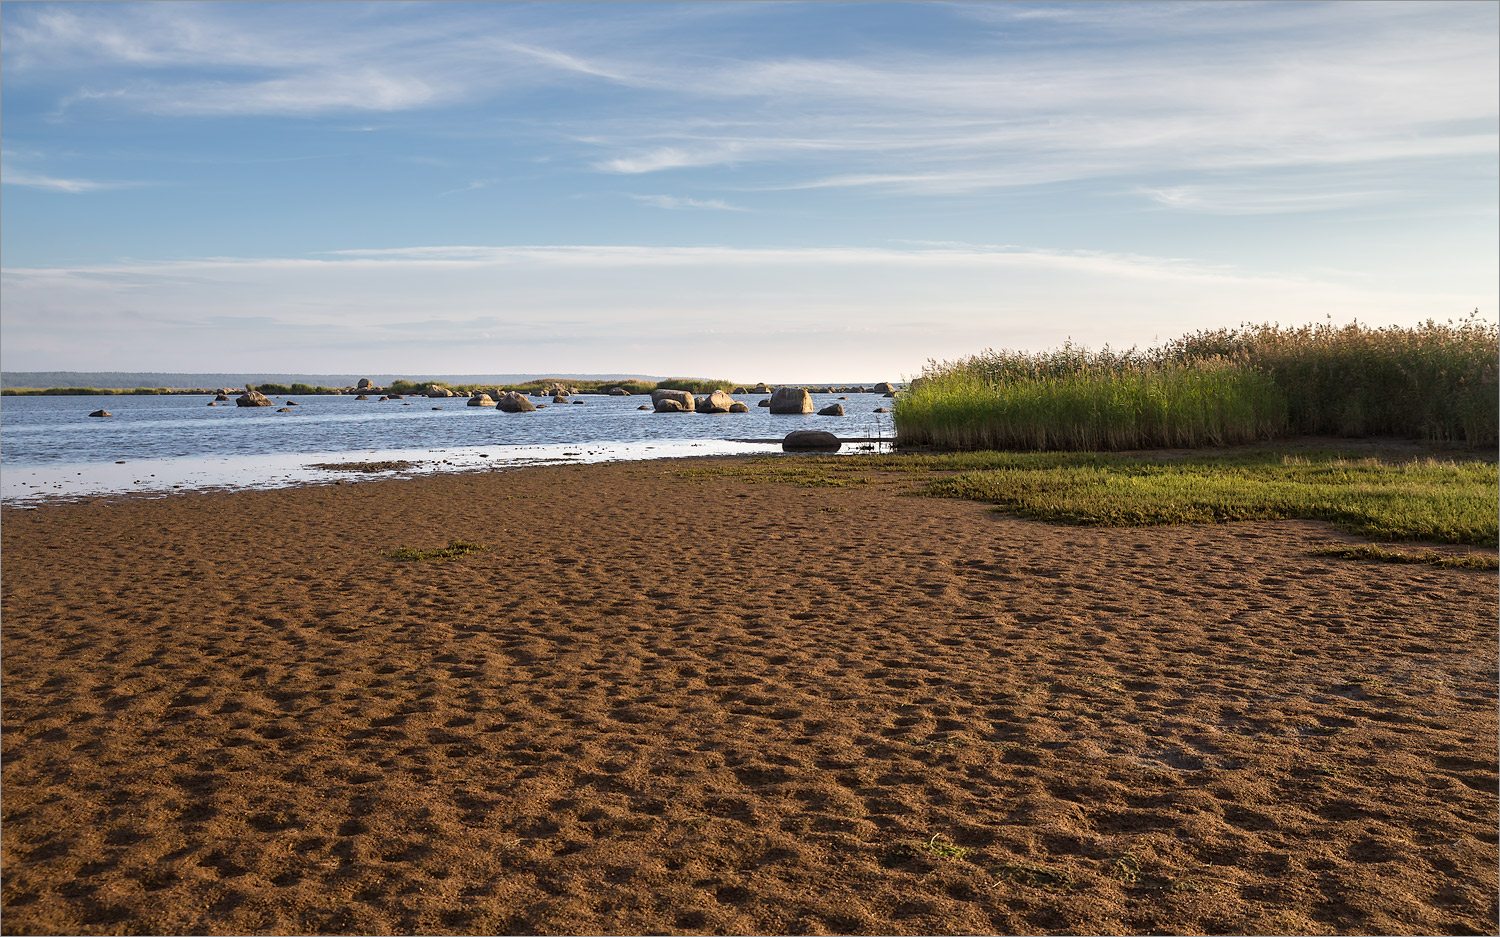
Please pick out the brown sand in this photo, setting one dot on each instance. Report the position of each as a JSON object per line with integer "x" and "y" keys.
{"x": 665, "y": 704}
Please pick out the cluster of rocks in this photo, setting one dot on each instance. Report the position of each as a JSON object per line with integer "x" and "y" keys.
{"x": 884, "y": 387}
{"x": 781, "y": 400}
{"x": 682, "y": 401}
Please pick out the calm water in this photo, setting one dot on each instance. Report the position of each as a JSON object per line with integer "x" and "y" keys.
{"x": 51, "y": 448}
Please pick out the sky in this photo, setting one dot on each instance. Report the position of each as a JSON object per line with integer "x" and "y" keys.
{"x": 747, "y": 191}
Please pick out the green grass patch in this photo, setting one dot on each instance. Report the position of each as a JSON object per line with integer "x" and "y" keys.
{"x": 930, "y": 849}
{"x": 1036, "y": 875}
{"x": 804, "y": 472}
{"x": 1445, "y": 502}
{"x": 452, "y": 551}
{"x": 1426, "y": 557}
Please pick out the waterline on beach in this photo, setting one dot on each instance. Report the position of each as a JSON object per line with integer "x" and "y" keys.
{"x": 54, "y": 482}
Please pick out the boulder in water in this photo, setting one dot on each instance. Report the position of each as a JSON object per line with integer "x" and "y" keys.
{"x": 683, "y": 399}
{"x": 810, "y": 440}
{"x": 791, "y": 400}
{"x": 513, "y": 402}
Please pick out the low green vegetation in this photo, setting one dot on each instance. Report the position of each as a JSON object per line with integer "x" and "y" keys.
{"x": 1426, "y": 557}
{"x": 1437, "y": 381}
{"x": 392, "y": 465}
{"x": 405, "y": 387}
{"x": 83, "y": 391}
{"x": 454, "y": 550}
{"x": 1387, "y": 498}
{"x": 300, "y": 389}
{"x": 542, "y": 385}
{"x": 1035, "y": 875}
{"x": 930, "y": 849}
{"x": 1447, "y": 502}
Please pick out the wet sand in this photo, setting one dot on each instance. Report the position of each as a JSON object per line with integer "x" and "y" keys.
{"x": 660, "y": 703}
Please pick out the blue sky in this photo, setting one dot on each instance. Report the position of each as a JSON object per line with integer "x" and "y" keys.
{"x": 758, "y": 191}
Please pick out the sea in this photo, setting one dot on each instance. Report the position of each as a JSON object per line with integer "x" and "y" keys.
{"x": 51, "y": 449}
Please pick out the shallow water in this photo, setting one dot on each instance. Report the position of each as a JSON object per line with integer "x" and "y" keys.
{"x": 50, "y": 447}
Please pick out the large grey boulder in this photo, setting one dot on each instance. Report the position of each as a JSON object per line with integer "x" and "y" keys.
{"x": 435, "y": 391}
{"x": 222, "y": 396}
{"x": 810, "y": 440}
{"x": 364, "y": 384}
{"x": 763, "y": 403}
{"x": 513, "y": 402}
{"x": 791, "y": 400}
{"x": 716, "y": 402}
{"x": 683, "y": 399}
{"x": 252, "y": 398}
{"x": 884, "y": 387}
{"x": 760, "y": 388}
{"x": 671, "y": 405}
{"x": 481, "y": 400}
{"x": 738, "y": 407}
{"x": 833, "y": 409}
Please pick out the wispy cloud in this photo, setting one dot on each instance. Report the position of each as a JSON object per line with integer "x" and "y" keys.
{"x": 12, "y": 176}
{"x": 678, "y": 203}
{"x": 1110, "y": 91}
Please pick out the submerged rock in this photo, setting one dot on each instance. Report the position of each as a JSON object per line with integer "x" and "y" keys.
{"x": 810, "y": 440}
{"x": 101, "y": 413}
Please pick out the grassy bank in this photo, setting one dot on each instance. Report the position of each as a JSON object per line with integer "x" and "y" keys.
{"x": 1429, "y": 499}
{"x": 1443, "y": 502}
{"x": 1435, "y": 382}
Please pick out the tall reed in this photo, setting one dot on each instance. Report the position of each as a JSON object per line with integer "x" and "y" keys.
{"x": 1210, "y": 388}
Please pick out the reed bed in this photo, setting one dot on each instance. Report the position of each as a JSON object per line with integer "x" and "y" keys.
{"x": 1213, "y": 388}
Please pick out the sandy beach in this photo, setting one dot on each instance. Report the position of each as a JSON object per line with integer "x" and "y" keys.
{"x": 666, "y": 703}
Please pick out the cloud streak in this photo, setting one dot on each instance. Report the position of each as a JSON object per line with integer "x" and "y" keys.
{"x": 32, "y": 180}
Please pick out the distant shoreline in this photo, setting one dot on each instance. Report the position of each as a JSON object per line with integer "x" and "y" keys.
{"x": 181, "y": 382}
